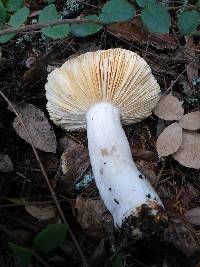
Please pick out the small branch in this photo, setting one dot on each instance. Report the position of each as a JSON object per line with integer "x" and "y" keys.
{"x": 78, "y": 20}
{"x": 39, "y": 26}
{"x": 47, "y": 180}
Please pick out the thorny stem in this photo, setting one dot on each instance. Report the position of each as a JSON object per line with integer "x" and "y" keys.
{"x": 47, "y": 181}
{"x": 77, "y": 20}
{"x": 39, "y": 26}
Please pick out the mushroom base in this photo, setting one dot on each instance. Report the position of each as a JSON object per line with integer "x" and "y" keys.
{"x": 149, "y": 221}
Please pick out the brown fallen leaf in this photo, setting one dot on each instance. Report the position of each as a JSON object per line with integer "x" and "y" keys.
{"x": 169, "y": 108}
{"x": 188, "y": 193}
{"x": 162, "y": 41}
{"x": 38, "y": 126}
{"x": 189, "y": 152}
{"x": 41, "y": 212}
{"x": 193, "y": 216}
{"x": 193, "y": 65}
{"x": 182, "y": 236}
{"x": 191, "y": 121}
{"x": 136, "y": 31}
{"x": 75, "y": 159}
{"x": 5, "y": 163}
{"x": 92, "y": 215}
{"x": 169, "y": 140}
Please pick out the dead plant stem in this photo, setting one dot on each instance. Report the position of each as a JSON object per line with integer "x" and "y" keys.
{"x": 39, "y": 26}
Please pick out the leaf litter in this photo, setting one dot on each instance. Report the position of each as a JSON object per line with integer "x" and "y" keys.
{"x": 175, "y": 140}
{"x": 38, "y": 127}
{"x": 6, "y": 164}
{"x": 169, "y": 140}
{"x": 167, "y": 55}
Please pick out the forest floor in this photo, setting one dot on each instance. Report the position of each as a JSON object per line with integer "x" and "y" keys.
{"x": 26, "y": 204}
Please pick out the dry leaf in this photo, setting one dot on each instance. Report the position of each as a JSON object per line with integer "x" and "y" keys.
{"x": 193, "y": 216}
{"x": 135, "y": 31}
{"x": 75, "y": 159}
{"x": 189, "y": 152}
{"x": 162, "y": 41}
{"x": 41, "y": 212}
{"x": 188, "y": 194}
{"x": 190, "y": 54}
{"x": 38, "y": 126}
{"x": 169, "y": 108}
{"x": 191, "y": 121}
{"x": 5, "y": 163}
{"x": 169, "y": 140}
{"x": 181, "y": 236}
{"x": 92, "y": 215}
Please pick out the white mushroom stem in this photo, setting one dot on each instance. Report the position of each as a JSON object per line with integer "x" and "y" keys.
{"x": 122, "y": 187}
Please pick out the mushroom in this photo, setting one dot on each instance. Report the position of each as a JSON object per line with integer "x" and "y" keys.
{"x": 98, "y": 90}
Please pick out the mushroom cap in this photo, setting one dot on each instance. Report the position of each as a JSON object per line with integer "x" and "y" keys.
{"x": 118, "y": 76}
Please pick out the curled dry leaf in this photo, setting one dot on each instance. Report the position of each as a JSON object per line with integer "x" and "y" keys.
{"x": 5, "y": 163}
{"x": 92, "y": 215}
{"x": 75, "y": 159}
{"x": 169, "y": 140}
{"x": 191, "y": 121}
{"x": 38, "y": 126}
{"x": 193, "y": 216}
{"x": 189, "y": 152}
{"x": 169, "y": 108}
{"x": 136, "y": 31}
{"x": 41, "y": 212}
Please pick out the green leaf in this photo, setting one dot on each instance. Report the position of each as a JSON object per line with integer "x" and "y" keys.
{"x": 118, "y": 261}
{"x": 56, "y": 32}
{"x": 1, "y": 4}
{"x": 50, "y": 13}
{"x": 188, "y": 21}
{"x": 22, "y": 254}
{"x": 145, "y": 3}
{"x": 6, "y": 37}
{"x": 50, "y": 238}
{"x": 156, "y": 18}
{"x": 117, "y": 10}
{"x": 198, "y": 2}
{"x": 16, "y": 20}
{"x": 3, "y": 15}
{"x": 13, "y": 5}
{"x": 19, "y": 17}
{"x": 86, "y": 28}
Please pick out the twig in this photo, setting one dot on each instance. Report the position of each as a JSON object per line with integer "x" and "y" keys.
{"x": 39, "y": 26}
{"x": 173, "y": 82}
{"x": 29, "y": 203}
{"x": 47, "y": 180}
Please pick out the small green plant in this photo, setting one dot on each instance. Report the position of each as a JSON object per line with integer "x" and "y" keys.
{"x": 156, "y": 17}
{"x": 118, "y": 261}
{"x": 51, "y": 237}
